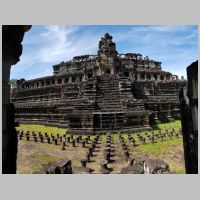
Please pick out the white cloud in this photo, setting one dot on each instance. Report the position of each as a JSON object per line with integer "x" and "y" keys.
{"x": 60, "y": 44}
{"x": 163, "y": 35}
{"x": 54, "y": 44}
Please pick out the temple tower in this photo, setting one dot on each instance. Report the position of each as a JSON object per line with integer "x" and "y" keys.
{"x": 107, "y": 55}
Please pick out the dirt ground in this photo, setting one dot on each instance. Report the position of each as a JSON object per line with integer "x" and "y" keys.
{"x": 36, "y": 157}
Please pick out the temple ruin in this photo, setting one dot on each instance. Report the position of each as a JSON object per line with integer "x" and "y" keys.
{"x": 98, "y": 93}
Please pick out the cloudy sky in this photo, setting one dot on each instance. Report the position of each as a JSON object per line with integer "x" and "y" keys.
{"x": 43, "y": 46}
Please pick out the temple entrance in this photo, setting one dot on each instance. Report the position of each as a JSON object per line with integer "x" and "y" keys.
{"x": 108, "y": 71}
{"x": 108, "y": 121}
{"x": 75, "y": 123}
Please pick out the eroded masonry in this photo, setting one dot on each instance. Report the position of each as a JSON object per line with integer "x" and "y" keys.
{"x": 96, "y": 93}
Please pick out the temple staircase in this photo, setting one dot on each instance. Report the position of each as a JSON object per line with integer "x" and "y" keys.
{"x": 108, "y": 94}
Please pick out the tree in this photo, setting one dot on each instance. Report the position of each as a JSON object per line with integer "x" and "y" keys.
{"x": 13, "y": 83}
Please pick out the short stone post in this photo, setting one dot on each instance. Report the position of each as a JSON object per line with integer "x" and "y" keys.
{"x": 48, "y": 140}
{"x": 41, "y": 139}
{"x": 35, "y": 138}
{"x": 86, "y": 140}
{"x": 20, "y": 136}
{"x": 104, "y": 168}
{"x": 77, "y": 139}
{"x": 130, "y": 161}
{"x": 73, "y": 143}
{"x": 83, "y": 144}
{"x": 88, "y": 156}
{"x": 27, "y": 138}
{"x": 90, "y": 150}
{"x": 126, "y": 154}
{"x": 107, "y": 156}
{"x": 63, "y": 146}
{"x": 83, "y": 162}
{"x": 68, "y": 139}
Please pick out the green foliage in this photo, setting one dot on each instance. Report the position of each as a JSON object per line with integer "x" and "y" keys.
{"x": 13, "y": 83}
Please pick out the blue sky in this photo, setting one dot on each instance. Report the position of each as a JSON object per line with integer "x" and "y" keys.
{"x": 43, "y": 46}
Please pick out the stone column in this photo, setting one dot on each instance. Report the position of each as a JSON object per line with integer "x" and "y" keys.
{"x": 145, "y": 76}
{"x": 133, "y": 76}
{"x": 169, "y": 116}
{"x": 45, "y": 83}
{"x": 12, "y": 37}
{"x": 138, "y": 77}
{"x": 63, "y": 80}
{"x": 40, "y": 84}
{"x": 158, "y": 77}
{"x": 152, "y": 77}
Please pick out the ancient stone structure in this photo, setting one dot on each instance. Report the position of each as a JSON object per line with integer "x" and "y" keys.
{"x": 155, "y": 167}
{"x": 12, "y": 37}
{"x": 96, "y": 93}
{"x": 189, "y": 119}
{"x": 63, "y": 168}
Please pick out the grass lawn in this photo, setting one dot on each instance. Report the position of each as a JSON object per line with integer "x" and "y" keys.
{"x": 41, "y": 128}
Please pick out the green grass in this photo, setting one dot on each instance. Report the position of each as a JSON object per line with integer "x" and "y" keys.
{"x": 41, "y": 159}
{"x": 42, "y": 129}
{"x": 178, "y": 171}
{"x": 160, "y": 147}
{"x": 169, "y": 125}
{"x": 44, "y": 159}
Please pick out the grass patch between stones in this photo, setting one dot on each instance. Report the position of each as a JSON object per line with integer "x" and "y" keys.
{"x": 43, "y": 159}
